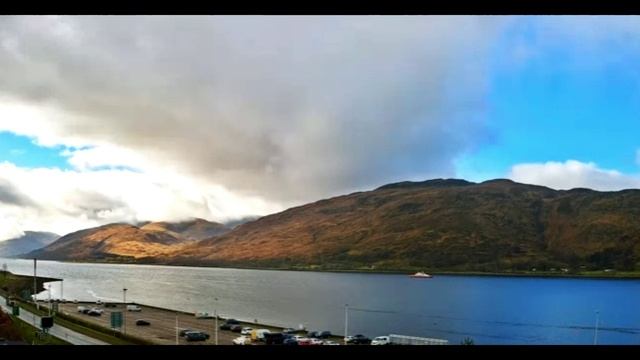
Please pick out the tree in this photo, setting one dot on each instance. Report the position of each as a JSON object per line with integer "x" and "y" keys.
{"x": 467, "y": 341}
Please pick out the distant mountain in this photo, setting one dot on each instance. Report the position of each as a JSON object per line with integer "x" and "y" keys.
{"x": 442, "y": 224}
{"x": 194, "y": 229}
{"x": 237, "y": 222}
{"x": 31, "y": 240}
{"x": 435, "y": 225}
{"x": 124, "y": 242}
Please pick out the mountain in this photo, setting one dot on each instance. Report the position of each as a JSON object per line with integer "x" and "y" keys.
{"x": 194, "y": 229}
{"x": 125, "y": 242}
{"x": 232, "y": 224}
{"x": 442, "y": 224}
{"x": 31, "y": 240}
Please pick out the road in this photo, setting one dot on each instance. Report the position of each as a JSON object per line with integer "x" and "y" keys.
{"x": 58, "y": 331}
{"x": 162, "y": 330}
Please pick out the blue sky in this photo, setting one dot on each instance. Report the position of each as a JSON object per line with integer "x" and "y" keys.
{"x": 557, "y": 104}
{"x": 23, "y": 152}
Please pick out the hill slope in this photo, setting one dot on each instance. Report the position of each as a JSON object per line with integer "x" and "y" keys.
{"x": 31, "y": 240}
{"x": 195, "y": 229}
{"x": 451, "y": 224}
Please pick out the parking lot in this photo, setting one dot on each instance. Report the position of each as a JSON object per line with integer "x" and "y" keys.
{"x": 162, "y": 328}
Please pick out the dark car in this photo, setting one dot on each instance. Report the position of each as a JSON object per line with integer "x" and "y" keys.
{"x": 359, "y": 339}
{"x": 289, "y": 341}
{"x": 274, "y": 338}
{"x": 196, "y": 336}
{"x": 236, "y": 328}
{"x": 323, "y": 334}
{"x": 184, "y": 332}
{"x": 142, "y": 322}
{"x": 313, "y": 334}
{"x": 94, "y": 313}
{"x": 227, "y": 324}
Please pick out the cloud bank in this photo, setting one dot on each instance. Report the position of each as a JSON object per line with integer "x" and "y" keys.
{"x": 573, "y": 174}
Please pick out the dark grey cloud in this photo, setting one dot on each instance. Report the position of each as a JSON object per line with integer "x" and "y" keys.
{"x": 287, "y": 108}
{"x": 9, "y": 195}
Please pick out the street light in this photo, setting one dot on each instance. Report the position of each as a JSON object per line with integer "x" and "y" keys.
{"x": 215, "y": 314}
{"x": 346, "y": 322}
{"x": 595, "y": 335}
{"x": 124, "y": 317}
{"x": 177, "y": 331}
{"x": 49, "y": 288}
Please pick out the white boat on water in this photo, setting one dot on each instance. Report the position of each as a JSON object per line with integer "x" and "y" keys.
{"x": 421, "y": 275}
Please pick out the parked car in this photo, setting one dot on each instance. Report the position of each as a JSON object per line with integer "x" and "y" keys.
{"x": 109, "y": 305}
{"x": 323, "y": 334}
{"x": 94, "y": 312}
{"x": 312, "y": 334}
{"x": 380, "y": 340}
{"x": 315, "y": 341}
{"x": 242, "y": 340}
{"x": 304, "y": 341}
{"x": 260, "y": 334}
{"x": 184, "y": 332}
{"x": 196, "y": 336}
{"x": 98, "y": 302}
{"x": 135, "y": 308}
{"x": 330, "y": 342}
{"x": 236, "y": 328}
{"x": 227, "y": 324}
{"x": 246, "y": 331}
{"x": 359, "y": 340}
{"x": 141, "y": 322}
{"x": 289, "y": 341}
{"x": 75, "y": 301}
{"x": 83, "y": 309}
{"x": 288, "y": 331}
{"x": 203, "y": 315}
{"x": 275, "y": 338}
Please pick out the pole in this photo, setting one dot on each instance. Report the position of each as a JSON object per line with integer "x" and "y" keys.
{"x": 49, "y": 288}
{"x": 595, "y": 335}
{"x": 35, "y": 284}
{"x": 346, "y": 322}
{"x": 61, "y": 289}
{"x": 215, "y": 314}
{"x": 124, "y": 317}
{"x": 177, "y": 331}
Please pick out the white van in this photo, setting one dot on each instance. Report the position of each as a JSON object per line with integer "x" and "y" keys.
{"x": 203, "y": 315}
{"x": 134, "y": 308}
{"x": 260, "y": 334}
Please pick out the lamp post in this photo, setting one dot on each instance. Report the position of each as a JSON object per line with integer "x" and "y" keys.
{"x": 49, "y": 288}
{"x": 215, "y": 314}
{"x": 346, "y": 322}
{"x": 595, "y": 335}
{"x": 124, "y": 312}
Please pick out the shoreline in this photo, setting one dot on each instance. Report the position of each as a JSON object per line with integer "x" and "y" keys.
{"x": 591, "y": 275}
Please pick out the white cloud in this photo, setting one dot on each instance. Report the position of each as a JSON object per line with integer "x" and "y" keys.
{"x": 63, "y": 201}
{"x": 291, "y": 109}
{"x": 573, "y": 174}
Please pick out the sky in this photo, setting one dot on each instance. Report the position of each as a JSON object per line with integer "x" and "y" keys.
{"x": 122, "y": 119}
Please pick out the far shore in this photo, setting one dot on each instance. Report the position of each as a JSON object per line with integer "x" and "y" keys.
{"x": 611, "y": 275}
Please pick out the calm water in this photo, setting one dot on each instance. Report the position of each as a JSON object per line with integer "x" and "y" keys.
{"x": 491, "y": 310}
